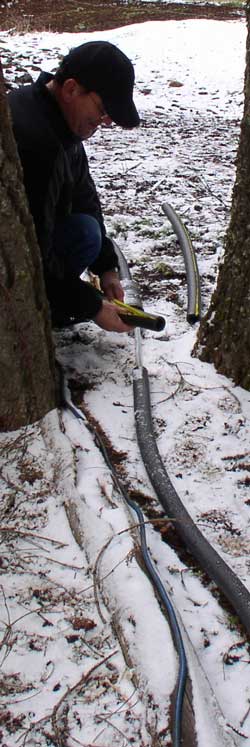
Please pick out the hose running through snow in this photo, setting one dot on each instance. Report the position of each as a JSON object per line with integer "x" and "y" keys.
{"x": 192, "y": 272}
{"x": 209, "y": 560}
{"x": 199, "y": 547}
{"x": 132, "y": 292}
{"x": 176, "y": 634}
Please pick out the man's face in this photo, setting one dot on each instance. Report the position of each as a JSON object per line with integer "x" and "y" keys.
{"x": 83, "y": 111}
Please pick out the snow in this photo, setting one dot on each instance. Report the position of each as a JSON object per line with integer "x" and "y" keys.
{"x": 86, "y": 653}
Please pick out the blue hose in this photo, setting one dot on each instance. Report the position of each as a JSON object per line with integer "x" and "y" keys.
{"x": 175, "y": 629}
{"x": 193, "y": 313}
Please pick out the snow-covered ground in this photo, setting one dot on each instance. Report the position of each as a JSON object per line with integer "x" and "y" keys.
{"x": 86, "y": 653}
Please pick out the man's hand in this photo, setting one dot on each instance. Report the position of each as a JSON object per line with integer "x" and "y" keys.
{"x": 111, "y": 285}
{"x": 108, "y": 318}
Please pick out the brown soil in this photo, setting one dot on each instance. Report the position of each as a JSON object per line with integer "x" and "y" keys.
{"x": 73, "y": 15}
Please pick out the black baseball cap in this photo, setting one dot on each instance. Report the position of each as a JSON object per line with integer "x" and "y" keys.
{"x": 101, "y": 67}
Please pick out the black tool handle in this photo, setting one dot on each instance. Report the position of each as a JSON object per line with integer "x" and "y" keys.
{"x": 155, "y": 323}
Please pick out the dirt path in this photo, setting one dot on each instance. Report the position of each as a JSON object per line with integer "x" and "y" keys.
{"x": 72, "y": 16}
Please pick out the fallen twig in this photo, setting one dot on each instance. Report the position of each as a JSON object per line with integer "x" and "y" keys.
{"x": 32, "y": 534}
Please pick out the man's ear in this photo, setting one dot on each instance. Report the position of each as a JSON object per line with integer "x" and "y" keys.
{"x": 70, "y": 89}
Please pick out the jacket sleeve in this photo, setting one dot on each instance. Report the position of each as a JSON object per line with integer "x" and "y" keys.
{"x": 43, "y": 175}
{"x": 86, "y": 200}
{"x": 72, "y": 298}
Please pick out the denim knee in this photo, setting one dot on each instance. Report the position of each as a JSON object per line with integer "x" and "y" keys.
{"x": 78, "y": 238}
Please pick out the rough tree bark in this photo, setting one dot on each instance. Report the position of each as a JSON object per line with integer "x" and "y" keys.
{"x": 224, "y": 335}
{"x": 27, "y": 388}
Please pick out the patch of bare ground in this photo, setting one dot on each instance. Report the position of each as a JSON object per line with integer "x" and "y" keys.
{"x": 74, "y": 16}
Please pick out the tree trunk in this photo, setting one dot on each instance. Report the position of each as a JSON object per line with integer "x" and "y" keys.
{"x": 224, "y": 335}
{"x": 27, "y": 388}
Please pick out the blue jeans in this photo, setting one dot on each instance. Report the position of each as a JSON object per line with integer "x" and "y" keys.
{"x": 78, "y": 239}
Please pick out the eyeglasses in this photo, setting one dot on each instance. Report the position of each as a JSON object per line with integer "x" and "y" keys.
{"x": 102, "y": 113}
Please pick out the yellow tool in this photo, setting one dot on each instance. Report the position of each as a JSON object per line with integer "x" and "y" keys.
{"x": 138, "y": 318}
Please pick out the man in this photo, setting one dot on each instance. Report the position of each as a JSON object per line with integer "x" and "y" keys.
{"x": 92, "y": 86}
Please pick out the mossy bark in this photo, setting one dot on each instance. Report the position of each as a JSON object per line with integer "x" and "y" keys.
{"x": 27, "y": 386}
{"x": 224, "y": 335}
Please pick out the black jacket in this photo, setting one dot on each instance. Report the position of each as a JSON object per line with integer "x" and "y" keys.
{"x": 57, "y": 182}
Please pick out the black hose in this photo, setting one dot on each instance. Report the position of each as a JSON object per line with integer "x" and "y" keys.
{"x": 208, "y": 558}
{"x": 131, "y": 288}
{"x": 176, "y": 634}
{"x": 192, "y": 272}
{"x": 215, "y": 567}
